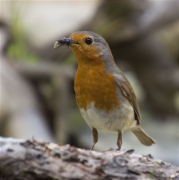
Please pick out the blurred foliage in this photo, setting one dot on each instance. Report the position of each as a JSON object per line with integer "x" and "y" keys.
{"x": 18, "y": 49}
{"x": 70, "y": 60}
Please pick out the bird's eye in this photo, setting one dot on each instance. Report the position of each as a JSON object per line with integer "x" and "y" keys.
{"x": 88, "y": 41}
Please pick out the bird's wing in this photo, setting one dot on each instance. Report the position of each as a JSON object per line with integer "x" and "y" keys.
{"x": 128, "y": 92}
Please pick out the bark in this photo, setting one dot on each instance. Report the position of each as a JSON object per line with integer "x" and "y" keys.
{"x": 32, "y": 159}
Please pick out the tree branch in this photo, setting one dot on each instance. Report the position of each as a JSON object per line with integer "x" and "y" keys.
{"x": 31, "y": 159}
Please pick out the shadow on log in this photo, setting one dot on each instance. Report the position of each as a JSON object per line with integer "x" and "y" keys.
{"x": 32, "y": 159}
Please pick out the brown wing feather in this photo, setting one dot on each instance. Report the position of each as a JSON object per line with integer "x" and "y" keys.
{"x": 128, "y": 92}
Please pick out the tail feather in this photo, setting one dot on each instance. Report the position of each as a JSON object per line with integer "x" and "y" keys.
{"x": 143, "y": 137}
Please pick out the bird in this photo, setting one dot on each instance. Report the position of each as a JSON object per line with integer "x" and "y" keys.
{"x": 105, "y": 97}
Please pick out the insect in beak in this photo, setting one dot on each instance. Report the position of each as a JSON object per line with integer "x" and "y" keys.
{"x": 63, "y": 42}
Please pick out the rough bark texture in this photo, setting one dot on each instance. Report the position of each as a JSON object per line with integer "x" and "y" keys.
{"x": 31, "y": 159}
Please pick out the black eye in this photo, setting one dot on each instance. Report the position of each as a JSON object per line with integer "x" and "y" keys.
{"x": 88, "y": 41}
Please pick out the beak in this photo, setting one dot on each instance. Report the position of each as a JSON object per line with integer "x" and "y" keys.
{"x": 63, "y": 42}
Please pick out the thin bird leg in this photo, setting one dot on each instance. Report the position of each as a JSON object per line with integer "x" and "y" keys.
{"x": 95, "y": 137}
{"x": 119, "y": 140}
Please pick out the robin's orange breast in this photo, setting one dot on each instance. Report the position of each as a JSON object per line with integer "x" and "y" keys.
{"x": 93, "y": 84}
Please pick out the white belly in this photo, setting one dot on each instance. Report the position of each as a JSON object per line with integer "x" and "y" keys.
{"x": 116, "y": 120}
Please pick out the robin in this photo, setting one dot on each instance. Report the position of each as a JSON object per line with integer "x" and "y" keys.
{"x": 104, "y": 96}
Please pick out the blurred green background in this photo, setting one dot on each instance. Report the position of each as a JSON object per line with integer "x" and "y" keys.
{"x": 36, "y": 86}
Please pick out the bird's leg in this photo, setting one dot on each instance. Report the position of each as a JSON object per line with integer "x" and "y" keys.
{"x": 95, "y": 137}
{"x": 119, "y": 140}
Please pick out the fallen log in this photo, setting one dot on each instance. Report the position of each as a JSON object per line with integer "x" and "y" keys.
{"x": 32, "y": 159}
